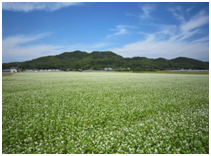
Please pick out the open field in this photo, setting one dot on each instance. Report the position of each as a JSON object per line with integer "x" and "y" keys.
{"x": 105, "y": 113}
{"x": 6, "y": 74}
{"x": 171, "y": 72}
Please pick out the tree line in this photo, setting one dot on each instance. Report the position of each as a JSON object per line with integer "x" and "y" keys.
{"x": 100, "y": 60}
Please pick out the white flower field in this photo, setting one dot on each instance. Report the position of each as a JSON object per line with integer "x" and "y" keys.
{"x": 105, "y": 112}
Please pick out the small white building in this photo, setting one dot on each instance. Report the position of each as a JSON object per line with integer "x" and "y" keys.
{"x": 13, "y": 69}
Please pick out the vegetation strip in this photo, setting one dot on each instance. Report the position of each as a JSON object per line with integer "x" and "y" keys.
{"x": 107, "y": 60}
{"x": 72, "y": 112}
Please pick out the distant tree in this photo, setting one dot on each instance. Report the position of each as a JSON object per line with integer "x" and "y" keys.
{"x": 98, "y": 60}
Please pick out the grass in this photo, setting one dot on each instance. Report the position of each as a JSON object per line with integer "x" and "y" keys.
{"x": 105, "y": 113}
{"x": 6, "y": 74}
{"x": 171, "y": 72}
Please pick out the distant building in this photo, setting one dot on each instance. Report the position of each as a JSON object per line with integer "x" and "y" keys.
{"x": 108, "y": 69}
{"x": 13, "y": 69}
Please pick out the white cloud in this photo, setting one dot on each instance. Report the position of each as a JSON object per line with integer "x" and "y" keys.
{"x": 120, "y": 30}
{"x": 14, "y": 41}
{"x": 192, "y": 27}
{"x": 198, "y": 20}
{"x": 18, "y": 48}
{"x": 177, "y": 13}
{"x": 29, "y": 52}
{"x": 147, "y": 9}
{"x": 189, "y": 9}
{"x": 171, "y": 41}
{"x": 23, "y": 48}
{"x": 201, "y": 40}
{"x": 31, "y": 6}
{"x": 167, "y": 49}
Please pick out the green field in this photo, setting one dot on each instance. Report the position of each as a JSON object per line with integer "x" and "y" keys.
{"x": 69, "y": 112}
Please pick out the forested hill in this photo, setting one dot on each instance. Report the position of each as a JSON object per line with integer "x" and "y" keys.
{"x": 107, "y": 59}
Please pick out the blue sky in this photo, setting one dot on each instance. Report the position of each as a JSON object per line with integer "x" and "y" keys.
{"x": 153, "y": 30}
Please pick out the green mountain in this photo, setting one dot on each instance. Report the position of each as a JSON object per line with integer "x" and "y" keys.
{"x": 107, "y": 59}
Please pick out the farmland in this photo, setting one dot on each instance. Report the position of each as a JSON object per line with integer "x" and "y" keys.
{"x": 69, "y": 112}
